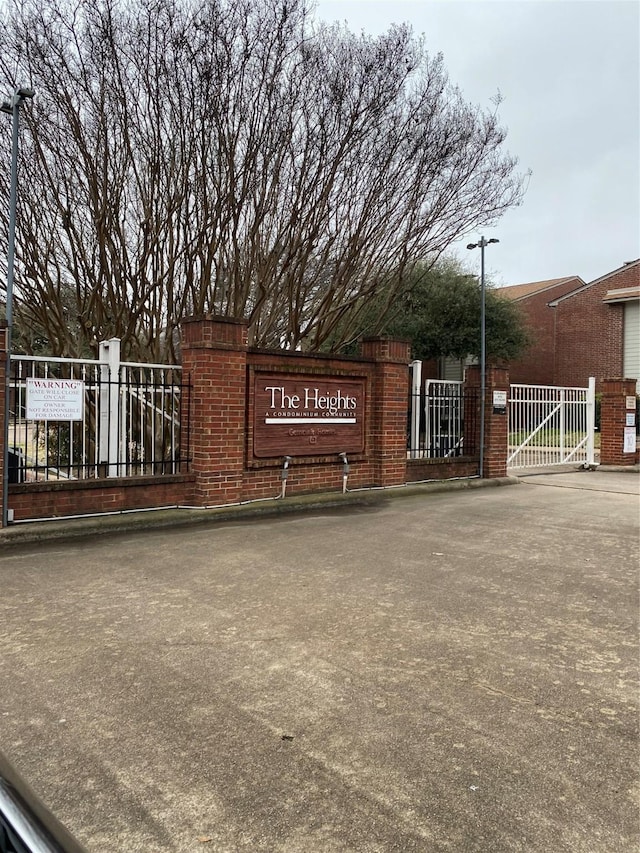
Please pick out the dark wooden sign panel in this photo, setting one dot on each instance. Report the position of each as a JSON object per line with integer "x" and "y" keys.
{"x": 307, "y": 415}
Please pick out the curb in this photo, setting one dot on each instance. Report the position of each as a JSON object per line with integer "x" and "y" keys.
{"x": 174, "y": 517}
{"x": 577, "y": 469}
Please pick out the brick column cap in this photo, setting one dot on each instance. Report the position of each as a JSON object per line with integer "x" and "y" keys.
{"x": 214, "y": 332}
{"x": 392, "y": 350}
{"x": 217, "y": 318}
{"x": 619, "y": 386}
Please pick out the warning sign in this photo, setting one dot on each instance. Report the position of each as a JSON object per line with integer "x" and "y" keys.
{"x": 55, "y": 399}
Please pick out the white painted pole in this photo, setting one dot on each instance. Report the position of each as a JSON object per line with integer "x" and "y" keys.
{"x": 591, "y": 421}
{"x": 109, "y": 355}
{"x": 416, "y": 387}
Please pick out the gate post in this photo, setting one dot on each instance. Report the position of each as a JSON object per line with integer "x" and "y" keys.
{"x": 214, "y": 357}
{"x": 416, "y": 408}
{"x": 389, "y": 408}
{"x": 617, "y": 422}
{"x": 109, "y": 356}
{"x": 495, "y": 417}
{"x": 591, "y": 420}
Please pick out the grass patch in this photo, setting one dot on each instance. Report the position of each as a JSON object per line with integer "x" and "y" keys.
{"x": 549, "y": 438}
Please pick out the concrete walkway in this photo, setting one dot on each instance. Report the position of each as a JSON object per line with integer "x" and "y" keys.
{"x": 449, "y": 671}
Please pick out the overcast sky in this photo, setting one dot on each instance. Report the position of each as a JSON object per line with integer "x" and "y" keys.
{"x": 569, "y": 73}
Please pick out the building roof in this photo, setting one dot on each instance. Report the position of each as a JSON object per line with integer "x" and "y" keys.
{"x": 625, "y": 266}
{"x": 520, "y": 291}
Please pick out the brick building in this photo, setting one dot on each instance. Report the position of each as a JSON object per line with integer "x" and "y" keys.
{"x": 580, "y": 329}
{"x": 537, "y": 366}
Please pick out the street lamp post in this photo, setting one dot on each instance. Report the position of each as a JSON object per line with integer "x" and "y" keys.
{"x": 12, "y": 107}
{"x": 482, "y": 242}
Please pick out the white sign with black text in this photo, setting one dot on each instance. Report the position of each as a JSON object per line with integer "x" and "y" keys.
{"x": 499, "y": 402}
{"x": 629, "y": 440}
{"x": 55, "y": 399}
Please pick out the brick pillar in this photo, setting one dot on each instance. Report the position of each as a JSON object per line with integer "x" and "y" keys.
{"x": 495, "y": 423}
{"x": 214, "y": 360}
{"x": 389, "y": 409}
{"x": 616, "y": 393}
{"x": 4, "y": 390}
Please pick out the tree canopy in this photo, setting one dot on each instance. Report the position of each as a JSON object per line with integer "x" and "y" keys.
{"x": 440, "y": 315}
{"x": 232, "y": 157}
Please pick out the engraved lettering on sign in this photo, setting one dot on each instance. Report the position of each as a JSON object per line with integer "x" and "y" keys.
{"x": 327, "y": 413}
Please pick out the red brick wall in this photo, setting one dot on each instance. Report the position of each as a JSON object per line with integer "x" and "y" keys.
{"x": 82, "y": 497}
{"x": 627, "y": 276}
{"x": 220, "y": 366}
{"x": 589, "y": 332}
{"x": 440, "y": 469}
{"x": 388, "y": 410}
{"x": 224, "y": 469}
{"x": 581, "y": 337}
{"x": 214, "y": 360}
{"x": 537, "y": 365}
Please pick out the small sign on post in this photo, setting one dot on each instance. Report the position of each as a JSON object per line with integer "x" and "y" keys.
{"x": 55, "y": 399}
{"x": 499, "y": 402}
{"x": 629, "y": 440}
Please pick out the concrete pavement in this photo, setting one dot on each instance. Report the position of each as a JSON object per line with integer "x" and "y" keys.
{"x": 450, "y": 671}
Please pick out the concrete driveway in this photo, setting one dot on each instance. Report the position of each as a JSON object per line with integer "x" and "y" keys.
{"x": 452, "y": 672}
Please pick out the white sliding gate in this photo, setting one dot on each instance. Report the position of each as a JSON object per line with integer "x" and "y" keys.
{"x": 549, "y": 425}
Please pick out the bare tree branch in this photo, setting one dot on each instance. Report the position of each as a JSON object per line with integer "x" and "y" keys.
{"x": 233, "y": 157}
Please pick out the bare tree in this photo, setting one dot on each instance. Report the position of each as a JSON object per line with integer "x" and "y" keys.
{"x": 233, "y": 157}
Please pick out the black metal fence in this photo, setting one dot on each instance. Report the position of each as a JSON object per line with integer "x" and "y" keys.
{"x": 130, "y": 421}
{"x": 445, "y": 419}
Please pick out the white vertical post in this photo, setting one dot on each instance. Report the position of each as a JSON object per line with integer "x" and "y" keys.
{"x": 123, "y": 392}
{"x": 563, "y": 426}
{"x": 428, "y": 416}
{"x": 416, "y": 386}
{"x": 109, "y": 356}
{"x": 591, "y": 421}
